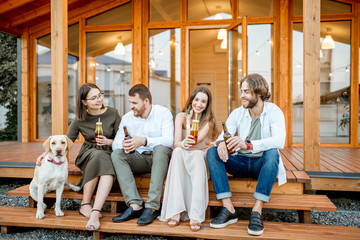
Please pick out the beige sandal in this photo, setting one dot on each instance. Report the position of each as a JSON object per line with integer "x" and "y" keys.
{"x": 85, "y": 215}
{"x": 177, "y": 222}
{"x": 195, "y": 226}
{"x": 91, "y": 225}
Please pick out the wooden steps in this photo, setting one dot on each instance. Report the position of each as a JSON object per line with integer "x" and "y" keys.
{"x": 25, "y": 217}
{"x": 303, "y": 203}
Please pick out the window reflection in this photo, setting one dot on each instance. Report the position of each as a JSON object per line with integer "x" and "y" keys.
{"x": 43, "y": 80}
{"x": 164, "y": 68}
{"x": 327, "y": 6}
{"x": 110, "y": 70}
{"x": 119, "y": 15}
{"x": 334, "y": 83}
{"x": 164, "y": 10}
{"x": 209, "y": 10}
{"x": 256, "y": 8}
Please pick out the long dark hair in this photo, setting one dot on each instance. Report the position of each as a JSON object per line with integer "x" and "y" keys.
{"x": 80, "y": 108}
{"x": 207, "y": 115}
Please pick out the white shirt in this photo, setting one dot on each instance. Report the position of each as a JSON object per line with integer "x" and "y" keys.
{"x": 158, "y": 129}
{"x": 273, "y": 131}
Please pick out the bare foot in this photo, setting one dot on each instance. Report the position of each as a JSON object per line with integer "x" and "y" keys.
{"x": 174, "y": 221}
{"x": 85, "y": 210}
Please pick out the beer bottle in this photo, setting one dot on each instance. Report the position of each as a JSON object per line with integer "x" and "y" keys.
{"x": 227, "y": 135}
{"x": 127, "y": 136}
{"x": 98, "y": 130}
{"x": 195, "y": 130}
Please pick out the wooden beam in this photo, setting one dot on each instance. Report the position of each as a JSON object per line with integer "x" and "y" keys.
{"x": 145, "y": 43}
{"x": 10, "y": 5}
{"x": 137, "y": 42}
{"x": 283, "y": 66}
{"x": 59, "y": 66}
{"x": 108, "y": 28}
{"x": 354, "y": 95}
{"x": 311, "y": 75}
{"x": 34, "y": 13}
{"x": 25, "y": 126}
{"x": 82, "y": 51}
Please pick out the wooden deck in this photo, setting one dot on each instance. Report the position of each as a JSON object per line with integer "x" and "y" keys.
{"x": 340, "y": 167}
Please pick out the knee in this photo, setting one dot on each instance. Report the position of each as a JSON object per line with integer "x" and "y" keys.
{"x": 118, "y": 155}
{"x": 161, "y": 153}
{"x": 272, "y": 156}
{"x": 211, "y": 155}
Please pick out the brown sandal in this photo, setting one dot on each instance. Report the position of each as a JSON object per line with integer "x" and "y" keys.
{"x": 85, "y": 215}
{"x": 177, "y": 222}
{"x": 195, "y": 224}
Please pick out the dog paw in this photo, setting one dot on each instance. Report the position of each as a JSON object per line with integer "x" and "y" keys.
{"x": 59, "y": 213}
{"x": 40, "y": 214}
{"x": 76, "y": 188}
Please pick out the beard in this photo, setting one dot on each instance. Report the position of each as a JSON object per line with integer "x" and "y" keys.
{"x": 139, "y": 112}
{"x": 251, "y": 103}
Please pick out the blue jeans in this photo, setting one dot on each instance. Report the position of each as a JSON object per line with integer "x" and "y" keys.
{"x": 264, "y": 168}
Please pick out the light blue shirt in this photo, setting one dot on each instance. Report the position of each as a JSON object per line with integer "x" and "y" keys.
{"x": 158, "y": 129}
{"x": 273, "y": 131}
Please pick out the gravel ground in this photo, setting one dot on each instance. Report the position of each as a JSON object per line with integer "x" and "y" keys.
{"x": 348, "y": 214}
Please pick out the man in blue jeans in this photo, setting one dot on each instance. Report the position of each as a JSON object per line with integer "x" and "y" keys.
{"x": 260, "y": 128}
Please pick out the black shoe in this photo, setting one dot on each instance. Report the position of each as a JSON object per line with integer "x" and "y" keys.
{"x": 128, "y": 214}
{"x": 224, "y": 218}
{"x": 256, "y": 226}
{"x": 147, "y": 217}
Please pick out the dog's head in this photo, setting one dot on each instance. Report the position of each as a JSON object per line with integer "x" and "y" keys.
{"x": 58, "y": 145}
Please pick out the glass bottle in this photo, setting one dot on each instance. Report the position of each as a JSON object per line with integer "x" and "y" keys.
{"x": 127, "y": 136}
{"x": 98, "y": 130}
{"x": 227, "y": 135}
{"x": 195, "y": 130}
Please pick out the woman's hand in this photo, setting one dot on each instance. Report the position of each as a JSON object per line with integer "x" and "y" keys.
{"x": 40, "y": 158}
{"x": 103, "y": 141}
{"x": 188, "y": 141}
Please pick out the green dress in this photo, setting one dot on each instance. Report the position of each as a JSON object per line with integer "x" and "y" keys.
{"x": 94, "y": 160}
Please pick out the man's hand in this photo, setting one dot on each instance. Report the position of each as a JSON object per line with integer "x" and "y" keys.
{"x": 40, "y": 158}
{"x": 133, "y": 143}
{"x": 223, "y": 152}
{"x": 234, "y": 143}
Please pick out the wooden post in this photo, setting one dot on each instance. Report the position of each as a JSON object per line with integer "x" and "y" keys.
{"x": 59, "y": 66}
{"x": 137, "y": 42}
{"x": 311, "y": 75}
{"x": 354, "y": 95}
{"x": 283, "y": 82}
{"x": 25, "y": 87}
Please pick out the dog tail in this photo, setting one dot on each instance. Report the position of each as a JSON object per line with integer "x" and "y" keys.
{"x": 72, "y": 187}
{"x": 33, "y": 190}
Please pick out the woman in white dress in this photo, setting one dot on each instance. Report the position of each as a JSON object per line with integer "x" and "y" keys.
{"x": 186, "y": 194}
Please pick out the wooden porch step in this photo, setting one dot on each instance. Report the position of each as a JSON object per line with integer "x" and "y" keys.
{"x": 25, "y": 218}
{"x": 303, "y": 203}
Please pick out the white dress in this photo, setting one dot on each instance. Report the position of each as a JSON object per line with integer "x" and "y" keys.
{"x": 186, "y": 189}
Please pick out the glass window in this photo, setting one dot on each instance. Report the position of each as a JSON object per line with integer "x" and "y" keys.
{"x": 256, "y": 8}
{"x": 259, "y": 52}
{"x": 164, "y": 10}
{"x": 208, "y": 67}
{"x": 327, "y": 6}
{"x": 209, "y": 10}
{"x": 73, "y": 70}
{"x": 335, "y": 61}
{"x": 119, "y": 15}
{"x": 109, "y": 64}
{"x": 164, "y": 68}
{"x": 235, "y": 67}
{"x": 43, "y": 80}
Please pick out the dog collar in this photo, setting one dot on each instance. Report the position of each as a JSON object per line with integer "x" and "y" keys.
{"x": 54, "y": 162}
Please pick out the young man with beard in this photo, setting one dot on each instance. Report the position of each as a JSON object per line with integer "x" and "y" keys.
{"x": 147, "y": 151}
{"x": 260, "y": 128}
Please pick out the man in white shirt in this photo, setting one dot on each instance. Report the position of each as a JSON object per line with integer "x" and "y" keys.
{"x": 147, "y": 151}
{"x": 260, "y": 128}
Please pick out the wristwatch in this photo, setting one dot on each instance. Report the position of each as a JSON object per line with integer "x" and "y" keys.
{"x": 248, "y": 144}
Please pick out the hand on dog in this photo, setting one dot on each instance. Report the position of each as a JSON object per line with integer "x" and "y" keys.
{"x": 102, "y": 141}
{"x": 40, "y": 158}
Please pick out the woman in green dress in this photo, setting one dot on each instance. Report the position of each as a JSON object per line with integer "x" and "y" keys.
{"x": 94, "y": 159}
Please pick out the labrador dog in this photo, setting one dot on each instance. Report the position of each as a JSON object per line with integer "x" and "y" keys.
{"x": 52, "y": 174}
